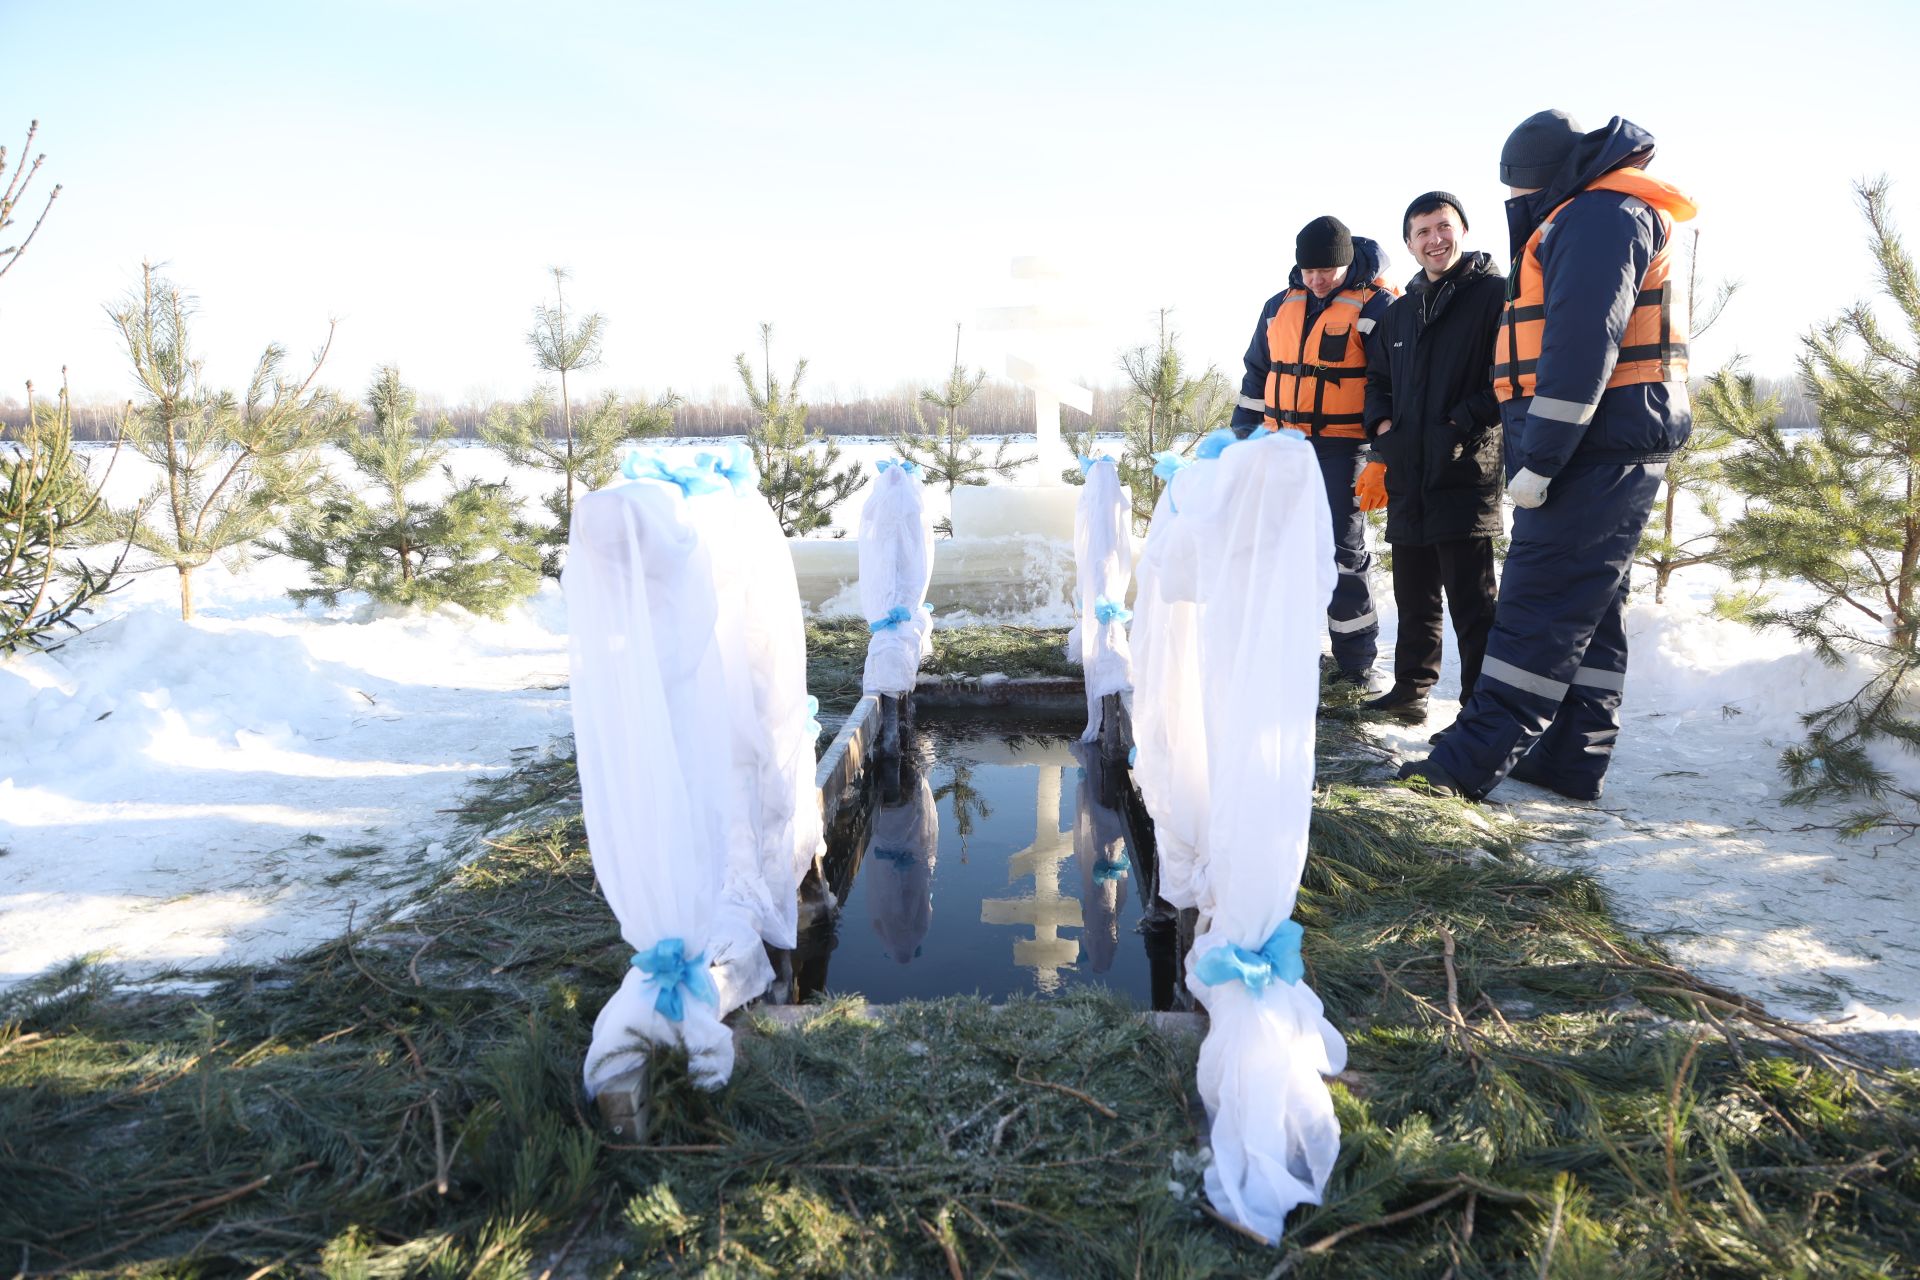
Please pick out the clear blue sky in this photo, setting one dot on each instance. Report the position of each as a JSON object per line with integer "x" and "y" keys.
{"x": 861, "y": 174}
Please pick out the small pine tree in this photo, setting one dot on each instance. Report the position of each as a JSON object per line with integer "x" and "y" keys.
{"x": 228, "y": 467}
{"x": 802, "y": 485}
{"x": 1165, "y": 411}
{"x": 563, "y": 348}
{"x": 1694, "y": 468}
{"x": 465, "y": 549}
{"x": 1840, "y": 511}
{"x": 945, "y": 452}
{"x": 49, "y": 507}
{"x": 585, "y": 458}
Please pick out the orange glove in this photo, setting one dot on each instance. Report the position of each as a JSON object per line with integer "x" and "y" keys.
{"x": 1371, "y": 488}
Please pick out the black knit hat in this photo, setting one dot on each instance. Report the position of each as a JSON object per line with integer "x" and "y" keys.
{"x": 1427, "y": 204}
{"x": 1324, "y": 242}
{"x": 1535, "y": 149}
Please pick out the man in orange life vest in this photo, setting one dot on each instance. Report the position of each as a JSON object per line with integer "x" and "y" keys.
{"x": 1307, "y": 372}
{"x": 1590, "y": 365}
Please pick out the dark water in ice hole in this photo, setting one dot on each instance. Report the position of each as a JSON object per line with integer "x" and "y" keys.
{"x": 1006, "y": 862}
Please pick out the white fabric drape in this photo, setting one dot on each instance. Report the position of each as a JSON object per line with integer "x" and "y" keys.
{"x": 694, "y": 744}
{"x": 896, "y": 564}
{"x": 1103, "y": 566}
{"x": 1241, "y": 574}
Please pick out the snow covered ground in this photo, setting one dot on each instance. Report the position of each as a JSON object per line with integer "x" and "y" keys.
{"x": 228, "y": 790}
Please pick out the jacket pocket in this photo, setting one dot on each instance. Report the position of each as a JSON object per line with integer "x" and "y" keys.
{"x": 1333, "y": 344}
{"x": 1468, "y": 459}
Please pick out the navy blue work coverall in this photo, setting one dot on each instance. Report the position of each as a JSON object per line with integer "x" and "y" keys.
{"x": 1352, "y": 624}
{"x": 1556, "y": 661}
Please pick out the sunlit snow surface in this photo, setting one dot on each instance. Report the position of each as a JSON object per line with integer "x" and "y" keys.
{"x": 225, "y": 791}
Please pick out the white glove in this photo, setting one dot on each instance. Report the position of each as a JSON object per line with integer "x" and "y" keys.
{"x": 1527, "y": 489}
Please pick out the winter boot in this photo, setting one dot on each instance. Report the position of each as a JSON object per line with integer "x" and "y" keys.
{"x": 1529, "y": 770}
{"x": 1429, "y": 777}
{"x": 1406, "y": 705}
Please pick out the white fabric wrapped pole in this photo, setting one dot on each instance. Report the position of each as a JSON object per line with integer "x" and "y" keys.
{"x": 896, "y": 563}
{"x": 648, "y": 687}
{"x": 1103, "y": 563}
{"x": 1261, "y": 585}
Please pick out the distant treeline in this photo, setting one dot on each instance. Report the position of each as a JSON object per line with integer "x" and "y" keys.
{"x": 997, "y": 409}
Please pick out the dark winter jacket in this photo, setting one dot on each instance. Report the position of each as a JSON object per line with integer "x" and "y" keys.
{"x": 1369, "y": 260}
{"x": 1592, "y": 261}
{"x": 1430, "y": 370}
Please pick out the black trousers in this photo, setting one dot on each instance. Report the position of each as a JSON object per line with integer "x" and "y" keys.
{"x": 1462, "y": 569}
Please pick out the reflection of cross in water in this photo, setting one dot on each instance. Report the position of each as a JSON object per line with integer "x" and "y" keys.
{"x": 1046, "y": 953}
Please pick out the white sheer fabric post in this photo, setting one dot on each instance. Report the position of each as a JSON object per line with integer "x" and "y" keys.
{"x": 896, "y": 564}
{"x": 688, "y": 651}
{"x": 1251, "y": 549}
{"x": 647, "y": 679}
{"x": 1103, "y": 564}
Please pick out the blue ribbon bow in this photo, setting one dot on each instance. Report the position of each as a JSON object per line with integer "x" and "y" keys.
{"x": 1133, "y": 756}
{"x": 1106, "y": 871}
{"x": 735, "y": 466}
{"x": 895, "y": 616}
{"x": 1278, "y": 957}
{"x": 1108, "y": 611}
{"x": 1216, "y": 442}
{"x": 887, "y": 464}
{"x": 813, "y": 714}
{"x": 1087, "y": 464}
{"x": 898, "y": 857}
{"x": 1166, "y": 463}
{"x": 667, "y": 964}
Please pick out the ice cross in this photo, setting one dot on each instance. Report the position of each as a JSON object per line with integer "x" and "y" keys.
{"x": 1046, "y": 953}
{"x": 1040, "y": 321}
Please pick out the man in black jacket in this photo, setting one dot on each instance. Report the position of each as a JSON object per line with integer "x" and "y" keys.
{"x": 1435, "y": 424}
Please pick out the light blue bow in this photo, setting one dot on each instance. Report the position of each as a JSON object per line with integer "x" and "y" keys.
{"x": 1106, "y": 871}
{"x": 895, "y": 616}
{"x": 1216, "y": 442}
{"x": 1278, "y": 958}
{"x": 667, "y": 964}
{"x": 1167, "y": 462}
{"x": 701, "y": 476}
{"x": 1133, "y": 756}
{"x": 898, "y": 857}
{"x": 735, "y": 466}
{"x": 1087, "y": 464}
{"x": 887, "y": 464}
{"x": 1107, "y": 611}
{"x": 813, "y": 714}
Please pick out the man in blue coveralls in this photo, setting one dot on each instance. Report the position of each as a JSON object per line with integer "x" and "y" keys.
{"x": 1590, "y": 365}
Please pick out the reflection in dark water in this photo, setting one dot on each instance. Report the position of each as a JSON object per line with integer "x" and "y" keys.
{"x": 1061, "y": 866}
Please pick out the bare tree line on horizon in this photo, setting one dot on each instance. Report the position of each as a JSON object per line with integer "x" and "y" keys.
{"x": 1000, "y": 408}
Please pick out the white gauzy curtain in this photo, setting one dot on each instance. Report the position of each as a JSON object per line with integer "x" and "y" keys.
{"x": 1103, "y": 564}
{"x": 1251, "y": 549}
{"x": 896, "y": 563}
{"x": 677, "y": 604}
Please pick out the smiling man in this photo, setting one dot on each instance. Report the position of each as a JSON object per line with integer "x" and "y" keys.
{"x": 1435, "y": 423}
{"x": 1306, "y": 372}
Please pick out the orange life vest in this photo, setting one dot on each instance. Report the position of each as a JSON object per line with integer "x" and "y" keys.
{"x": 1317, "y": 380}
{"x": 1654, "y": 346}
